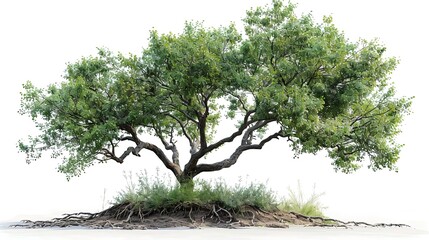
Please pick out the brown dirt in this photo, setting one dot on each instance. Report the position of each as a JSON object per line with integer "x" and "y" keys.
{"x": 127, "y": 216}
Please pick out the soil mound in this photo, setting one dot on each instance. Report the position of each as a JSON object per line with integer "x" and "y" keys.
{"x": 129, "y": 216}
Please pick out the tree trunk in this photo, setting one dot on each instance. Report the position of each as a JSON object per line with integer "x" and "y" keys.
{"x": 186, "y": 183}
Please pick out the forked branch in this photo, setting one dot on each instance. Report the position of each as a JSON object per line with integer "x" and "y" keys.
{"x": 174, "y": 167}
{"x": 199, "y": 154}
{"x": 226, "y": 163}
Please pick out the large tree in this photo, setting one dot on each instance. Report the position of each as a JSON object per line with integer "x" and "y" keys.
{"x": 286, "y": 77}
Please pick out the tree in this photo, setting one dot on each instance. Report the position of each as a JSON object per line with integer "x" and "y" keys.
{"x": 285, "y": 77}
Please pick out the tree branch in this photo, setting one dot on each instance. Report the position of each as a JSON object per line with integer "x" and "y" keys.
{"x": 185, "y": 114}
{"x": 169, "y": 145}
{"x": 196, "y": 156}
{"x": 247, "y": 137}
{"x": 182, "y": 126}
{"x": 234, "y": 156}
{"x": 202, "y": 119}
{"x": 175, "y": 168}
{"x": 239, "y": 99}
{"x": 126, "y": 138}
{"x": 129, "y": 129}
{"x": 111, "y": 155}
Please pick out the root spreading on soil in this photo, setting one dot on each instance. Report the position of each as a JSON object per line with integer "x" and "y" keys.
{"x": 192, "y": 215}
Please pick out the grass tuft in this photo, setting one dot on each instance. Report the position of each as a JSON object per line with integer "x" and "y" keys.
{"x": 159, "y": 192}
{"x": 296, "y": 202}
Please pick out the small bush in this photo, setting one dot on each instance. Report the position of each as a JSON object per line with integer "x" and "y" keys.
{"x": 161, "y": 193}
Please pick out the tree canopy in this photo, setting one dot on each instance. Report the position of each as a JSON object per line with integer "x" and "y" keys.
{"x": 286, "y": 76}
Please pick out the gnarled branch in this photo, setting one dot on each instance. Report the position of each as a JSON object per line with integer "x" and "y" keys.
{"x": 175, "y": 168}
{"x": 199, "y": 154}
{"x": 226, "y": 163}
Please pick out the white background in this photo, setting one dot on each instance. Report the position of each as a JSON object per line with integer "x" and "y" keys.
{"x": 38, "y": 38}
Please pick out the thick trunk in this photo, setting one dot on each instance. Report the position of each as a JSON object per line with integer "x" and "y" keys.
{"x": 186, "y": 183}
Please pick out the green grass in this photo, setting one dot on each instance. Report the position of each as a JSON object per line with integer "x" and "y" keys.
{"x": 296, "y": 202}
{"x": 159, "y": 192}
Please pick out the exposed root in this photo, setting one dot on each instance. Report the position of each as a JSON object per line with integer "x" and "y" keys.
{"x": 252, "y": 220}
{"x": 129, "y": 216}
{"x": 330, "y": 222}
{"x": 229, "y": 214}
{"x": 215, "y": 213}
{"x": 190, "y": 216}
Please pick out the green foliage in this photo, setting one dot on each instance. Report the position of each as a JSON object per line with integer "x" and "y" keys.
{"x": 160, "y": 193}
{"x": 321, "y": 90}
{"x": 296, "y": 202}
